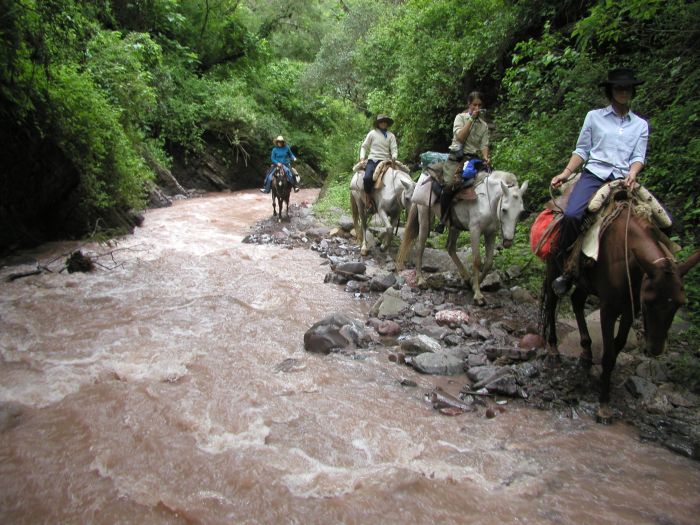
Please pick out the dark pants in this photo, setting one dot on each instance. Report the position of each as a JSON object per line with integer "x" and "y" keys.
{"x": 570, "y": 227}
{"x": 367, "y": 180}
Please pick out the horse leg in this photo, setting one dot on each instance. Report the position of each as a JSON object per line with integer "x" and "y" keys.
{"x": 607, "y": 327}
{"x": 274, "y": 206}
{"x": 364, "y": 250}
{"x": 490, "y": 248}
{"x": 423, "y": 232}
{"x": 452, "y": 235}
{"x": 287, "y": 206}
{"x": 387, "y": 225}
{"x": 476, "y": 268}
{"x": 623, "y": 331}
{"x": 578, "y": 300}
{"x": 549, "y": 314}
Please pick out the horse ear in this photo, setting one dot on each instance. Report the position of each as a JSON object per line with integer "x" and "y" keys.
{"x": 504, "y": 187}
{"x": 523, "y": 188}
{"x": 405, "y": 184}
{"x": 688, "y": 264}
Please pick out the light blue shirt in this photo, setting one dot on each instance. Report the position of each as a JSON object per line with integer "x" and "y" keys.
{"x": 610, "y": 144}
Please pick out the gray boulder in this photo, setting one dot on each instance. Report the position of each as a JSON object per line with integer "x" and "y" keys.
{"x": 352, "y": 267}
{"x": 335, "y": 332}
{"x": 640, "y": 387}
{"x": 440, "y": 363}
{"x": 420, "y": 344}
{"x": 346, "y": 223}
{"x": 382, "y": 281}
{"x": 480, "y": 374}
{"x": 492, "y": 281}
{"x": 389, "y": 305}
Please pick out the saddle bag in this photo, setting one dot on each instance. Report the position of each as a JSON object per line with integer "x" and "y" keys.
{"x": 544, "y": 233}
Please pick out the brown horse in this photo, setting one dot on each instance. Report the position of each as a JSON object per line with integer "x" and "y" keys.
{"x": 632, "y": 259}
{"x": 281, "y": 189}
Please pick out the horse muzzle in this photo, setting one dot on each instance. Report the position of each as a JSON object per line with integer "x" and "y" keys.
{"x": 507, "y": 243}
{"x": 653, "y": 349}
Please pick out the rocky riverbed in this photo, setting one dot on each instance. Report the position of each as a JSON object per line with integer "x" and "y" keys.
{"x": 486, "y": 360}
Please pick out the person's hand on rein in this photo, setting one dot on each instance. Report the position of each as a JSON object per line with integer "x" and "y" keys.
{"x": 560, "y": 179}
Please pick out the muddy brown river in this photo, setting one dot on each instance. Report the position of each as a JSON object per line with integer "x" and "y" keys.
{"x": 149, "y": 394}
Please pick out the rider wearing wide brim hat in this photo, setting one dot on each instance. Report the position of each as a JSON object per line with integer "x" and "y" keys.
{"x": 281, "y": 155}
{"x": 621, "y": 77}
{"x": 383, "y": 118}
{"x": 379, "y": 145}
{"x": 612, "y": 145}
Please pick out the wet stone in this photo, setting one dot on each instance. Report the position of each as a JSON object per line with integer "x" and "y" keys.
{"x": 477, "y": 360}
{"x": 491, "y": 282}
{"x": 420, "y": 344}
{"x": 422, "y": 309}
{"x": 479, "y": 374}
{"x": 382, "y": 281}
{"x": 388, "y": 328}
{"x": 452, "y": 340}
{"x": 346, "y": 223}
{"x": 653, "y": 371}
{"x": 640, "y": 387}
{"x": 337, "y": 331}
{"x": 352, "y": 267}
{"x": 440, "y": 363}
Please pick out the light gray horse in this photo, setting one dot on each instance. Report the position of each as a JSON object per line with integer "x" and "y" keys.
{"x": 394, "y": 196}
{"x": 498, "y": 207}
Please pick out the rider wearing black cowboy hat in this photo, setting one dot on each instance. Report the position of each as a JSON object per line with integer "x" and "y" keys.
{"x": 612, "y": 144}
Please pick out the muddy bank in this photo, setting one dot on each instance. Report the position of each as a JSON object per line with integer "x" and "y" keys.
{"x": 492, "y": 355}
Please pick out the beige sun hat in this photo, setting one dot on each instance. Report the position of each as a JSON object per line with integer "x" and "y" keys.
{"x": 279, "y": 138}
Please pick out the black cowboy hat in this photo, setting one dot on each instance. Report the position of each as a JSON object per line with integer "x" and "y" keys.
{"x": 621, "y": 77}
{"x": 383, "y": 118}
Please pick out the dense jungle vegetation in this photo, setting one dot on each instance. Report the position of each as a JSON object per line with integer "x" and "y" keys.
{"x": 99, "y": 97}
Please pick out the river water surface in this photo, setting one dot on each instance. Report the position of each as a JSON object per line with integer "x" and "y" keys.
{"x": 149, "y": 394}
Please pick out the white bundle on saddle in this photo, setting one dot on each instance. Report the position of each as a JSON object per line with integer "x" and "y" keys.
{"x": 643, "y": 204}
{"x": 423, "y": 194}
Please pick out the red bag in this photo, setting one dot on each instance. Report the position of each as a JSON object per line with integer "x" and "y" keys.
{"x": 543, "y": 233}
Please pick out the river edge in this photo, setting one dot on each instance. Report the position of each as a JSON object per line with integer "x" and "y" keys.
{"x": 492, "y": 358}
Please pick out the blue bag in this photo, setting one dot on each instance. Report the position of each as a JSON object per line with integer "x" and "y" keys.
{"x": 471, "y": 168}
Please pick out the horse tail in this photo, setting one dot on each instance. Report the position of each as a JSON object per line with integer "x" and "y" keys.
{"x": 548, "y": 301}
{"x": 356, "y": 218}
{"x": 410, "y": 233}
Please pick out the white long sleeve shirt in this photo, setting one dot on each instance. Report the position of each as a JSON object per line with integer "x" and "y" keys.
{"x": 378, "y": 147}
{"x": 611, "y": 143}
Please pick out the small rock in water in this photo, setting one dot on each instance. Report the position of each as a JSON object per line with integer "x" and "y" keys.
{"x": 408, "y": 382}
{"x": 337, "y": 331}
{"x": 290, "y": 365}
{"x": 490, "y": 413}
{"x": 640, "y": 387}
{"x": 352, "y": 267}
{"x": 492, "y": 282}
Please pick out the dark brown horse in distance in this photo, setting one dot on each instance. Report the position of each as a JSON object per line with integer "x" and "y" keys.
{"x": 632, "y": 259}
{"x": 281, "y": 189}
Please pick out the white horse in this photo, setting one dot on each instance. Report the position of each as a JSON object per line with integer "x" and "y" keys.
{"x": 499, "y": 205}
{"x": 394, "y": 196}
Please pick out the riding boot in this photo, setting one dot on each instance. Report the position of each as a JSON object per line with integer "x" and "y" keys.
{"x": 448, "y": 192}
{"x": 568, "y": 233}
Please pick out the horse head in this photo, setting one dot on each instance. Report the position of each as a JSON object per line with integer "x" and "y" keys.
{"x": 407, "y": 193}
{"x": 661, "y": 295}
{"x": 279, "y": 177}
{"x": 510, "y": 210}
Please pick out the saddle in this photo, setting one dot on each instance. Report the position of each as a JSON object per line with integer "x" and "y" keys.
{"x": 429, "y": 187}
{"x": 604, "y": 206}
{"x": 380, "y": 171}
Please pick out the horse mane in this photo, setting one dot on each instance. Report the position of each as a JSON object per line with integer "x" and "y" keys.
{"x": 506, "y": 176}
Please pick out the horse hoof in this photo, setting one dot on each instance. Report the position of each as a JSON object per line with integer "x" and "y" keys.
{"x": 421, "y": 282}
{"x": 479, "y": 301}
{"x": 604, "y": 416}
